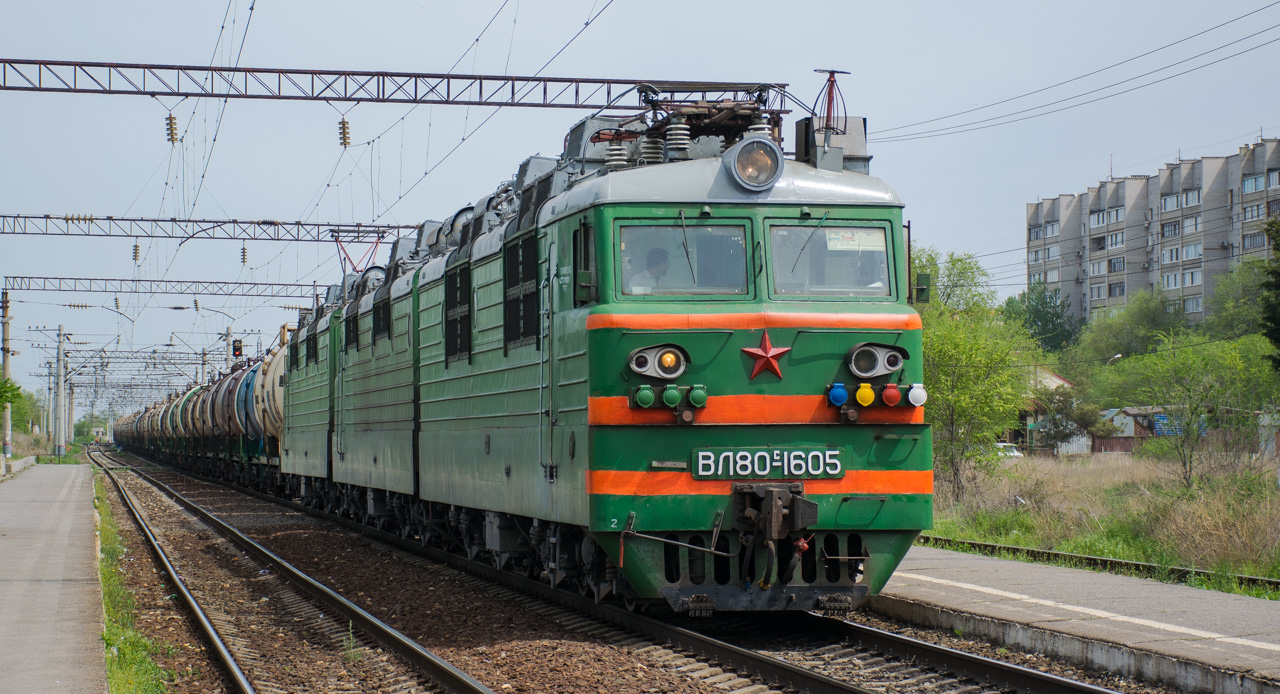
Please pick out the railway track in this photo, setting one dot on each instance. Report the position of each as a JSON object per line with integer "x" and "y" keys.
{"x": 298, "y": 635}
{"x": 1173, "y": 574}
{"x": 749, "y": 654}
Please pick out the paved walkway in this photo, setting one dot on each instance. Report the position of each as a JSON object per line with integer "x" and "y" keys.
{"x": 50, "y": 599}
{"x": 1173, "y": 633}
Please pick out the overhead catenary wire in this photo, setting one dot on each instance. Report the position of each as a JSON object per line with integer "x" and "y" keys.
{"x": 495, "y": 112}
{"x": 955, "y": 130}
{"x": 1078, "y": 77}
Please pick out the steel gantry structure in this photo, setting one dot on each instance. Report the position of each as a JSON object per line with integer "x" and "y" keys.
{"x": 142, "y": 286}
{"x": 187, "y": 229}
{"x": 72, "y": 76}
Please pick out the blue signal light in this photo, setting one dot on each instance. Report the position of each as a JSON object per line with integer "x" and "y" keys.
{"x": 837, "y": 394}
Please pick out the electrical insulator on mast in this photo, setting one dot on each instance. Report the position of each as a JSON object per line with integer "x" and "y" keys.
{"x": 117, "y": 303}
{"x": 137, "y": 253}
{"x": 344, "y": 133}
{"x": 171, "y": 128}
{"x": 195, "y": 303}
{"x": 244, "y": 255}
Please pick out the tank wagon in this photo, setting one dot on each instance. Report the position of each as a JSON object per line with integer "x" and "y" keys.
{"x": 670, "y": 365}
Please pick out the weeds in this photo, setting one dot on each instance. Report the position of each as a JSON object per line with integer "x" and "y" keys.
{"x": 130, "y": 666}
{"x": 1126, "y": 508}
{"x": 351, "y": 649}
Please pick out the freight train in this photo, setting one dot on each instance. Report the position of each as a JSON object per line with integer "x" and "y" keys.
{"x": 670, "y": 366}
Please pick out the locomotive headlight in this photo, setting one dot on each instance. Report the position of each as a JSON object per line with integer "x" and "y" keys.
{"x": 755, "y": 163}
{"x": 662, "y": 361}
{"x": 869, "y": 359}
{"x": 865, "y": 362}
{"x": 670, "y": 363}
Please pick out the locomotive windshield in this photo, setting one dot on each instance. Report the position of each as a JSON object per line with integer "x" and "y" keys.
{"x": 683, "y": 259}
{"x": 829, "y": 260}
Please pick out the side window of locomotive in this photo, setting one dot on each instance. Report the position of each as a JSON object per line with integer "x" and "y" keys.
{"x": 313, "y": 348}
{"x": 381, "y": 320}
{"x": 521, "y": 319}
{"x": 457, "y": 315}
{"x": 293, "y": 355}
{"x": 585, "y": 285}
{"x": 351, "y": 331}
{"x": 673, "y": 260}
{"x": 817, "y": 260}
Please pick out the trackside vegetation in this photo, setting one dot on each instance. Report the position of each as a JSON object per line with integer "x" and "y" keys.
{"x": 131, "y": 666}
{"x": 1203, "y": 494}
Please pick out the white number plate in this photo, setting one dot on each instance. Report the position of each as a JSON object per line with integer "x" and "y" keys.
{"x": 767, "y": 463}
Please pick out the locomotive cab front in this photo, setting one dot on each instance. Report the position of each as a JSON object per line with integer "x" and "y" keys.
{"x": 750, "y": 359}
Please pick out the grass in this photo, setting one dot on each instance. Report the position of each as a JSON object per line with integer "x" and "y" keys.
{"x": 1127, "y": 508}
{"x": 131, "y": 667}
{"x": 351, "y": 650}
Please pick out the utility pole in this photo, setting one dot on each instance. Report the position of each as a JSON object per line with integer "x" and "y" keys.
{"x": 4, "y": 374}
{"x": 230, "y": 359}
{"x": 204, "y": 365}
{"x": 60, "y": 383}
{"x": 48, "y": 403}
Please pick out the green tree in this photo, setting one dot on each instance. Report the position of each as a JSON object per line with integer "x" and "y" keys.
{"x": 1270, "y": 298}
{"x": 1045, "y": 314}
{"x": 971, "y": 368}
{"x": 9, "y": 392}
{"x": 1132, "y": 330}
{"x": 1068, "y": 413}
{"x": 959, "y": 281}
{"x": 1204, "y": 385}
{"x": 1234, "y": 308}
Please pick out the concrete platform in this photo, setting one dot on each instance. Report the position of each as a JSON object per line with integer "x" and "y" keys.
{"x": 1195, "y": 640}
{"x": 50, "y": 598}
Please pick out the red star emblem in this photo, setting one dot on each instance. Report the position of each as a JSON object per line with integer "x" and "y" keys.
{"x": 766, "y": 356}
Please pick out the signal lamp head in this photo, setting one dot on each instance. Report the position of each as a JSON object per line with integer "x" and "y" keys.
{"x": 755, "y": 163}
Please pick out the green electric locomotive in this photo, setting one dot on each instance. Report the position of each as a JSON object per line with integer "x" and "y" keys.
{"x": 670, "y": 365}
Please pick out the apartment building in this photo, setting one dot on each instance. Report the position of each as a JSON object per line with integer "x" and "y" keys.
{"x": 1179, "y": 230}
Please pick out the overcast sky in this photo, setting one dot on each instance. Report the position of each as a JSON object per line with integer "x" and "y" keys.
{"x": 910, "y": 62}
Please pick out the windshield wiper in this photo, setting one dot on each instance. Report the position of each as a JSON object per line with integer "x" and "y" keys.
{"x": 806, "y": 242}
{"x": 684, "y": 231}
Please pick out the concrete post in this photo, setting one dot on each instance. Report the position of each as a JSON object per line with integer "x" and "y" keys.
{"x": 60, "y": 380}
{"x": 4, "y": 372}
{"x": 230, "y": 359}
{"x": 48, "y": 404}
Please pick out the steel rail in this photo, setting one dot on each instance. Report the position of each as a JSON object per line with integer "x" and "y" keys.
{"x": 238, "y": 677}
{"x": 993, "y": 673}
{"x": 1179, "y": 574}
{"x": 443, "y": 673}
{"x": 779, "y": 673}
{"x": 205, "y": 81}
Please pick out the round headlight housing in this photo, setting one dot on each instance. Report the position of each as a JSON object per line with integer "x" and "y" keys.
{"x": 755, "y": 163}
{"x": 667, "y": 362}
{"x": 670, "y": 363}
{"x": 865, "y": 362}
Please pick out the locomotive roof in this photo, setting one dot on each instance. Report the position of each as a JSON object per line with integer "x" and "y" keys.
{"x": 706, "y": 181}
